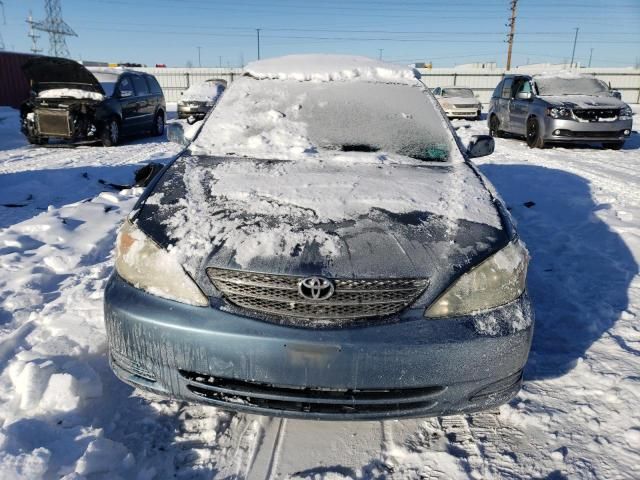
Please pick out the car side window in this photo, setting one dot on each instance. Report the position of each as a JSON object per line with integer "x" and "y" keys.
{"x": 125, "y": 87}
{"x": 153, "y": 84}
{"x": 141, "y": 85}
{"x": 437, "y": 91}
{"x": 498, "y": 91}
{"x": 524, "y": 86}
{"x": 506, "y": 88}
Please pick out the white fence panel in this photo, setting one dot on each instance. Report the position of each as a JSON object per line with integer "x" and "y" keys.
{"x": 174, "y": 81}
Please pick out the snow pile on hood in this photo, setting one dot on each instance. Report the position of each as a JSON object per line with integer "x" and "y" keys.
{"x": 203, "y": 92}
{"x": 277, "y": 209}
{"x": 71, "y": 93}
{"x": 326, "y": 68}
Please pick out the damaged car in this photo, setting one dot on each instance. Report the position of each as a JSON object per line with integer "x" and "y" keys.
{"x": 325, "y": 249}
{"x": 77, "y": 104}
{"x": 560, "y": 108}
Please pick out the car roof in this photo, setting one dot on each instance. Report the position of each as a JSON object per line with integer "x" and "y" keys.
{"x": 331, "y": 68}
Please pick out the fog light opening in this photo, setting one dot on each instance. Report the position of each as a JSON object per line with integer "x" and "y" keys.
{"x": 627, "y": 132}
{"x": 556, "y": 132}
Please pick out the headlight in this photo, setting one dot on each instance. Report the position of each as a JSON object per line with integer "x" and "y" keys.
{"x": 498, "y": 280}
{"x": 559, "y": 112}
{"x": 445, "y": 105}
{"x": 625, "y": 113}
{"x": 148, "y": 267}
{"x": 210, "y": 104}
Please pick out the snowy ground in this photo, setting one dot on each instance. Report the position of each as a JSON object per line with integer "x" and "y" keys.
{"x": 63, "y": 414}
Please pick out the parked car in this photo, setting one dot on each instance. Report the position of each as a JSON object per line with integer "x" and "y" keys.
{"x": 86, "y": 105}
{"x": 323, "y": 249}
{"x": 198, "y": 99}
{"x": 458, "y": 102}
{"x": 559, "y": 108}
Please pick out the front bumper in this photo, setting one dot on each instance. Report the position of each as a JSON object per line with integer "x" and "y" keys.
{"x": 197, "y": 111}
{"x": 572, "y": 131}
{"x": 467, "y": 112}
{"x": 414, "y": 367}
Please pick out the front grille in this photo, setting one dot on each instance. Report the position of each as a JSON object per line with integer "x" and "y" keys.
{"x": 596, "y": 134}
{"x": 596, "y": 114}
{"x": 352, "y": 299}
{"x": 466, "y": 107}
{"x": 324, "y": 401}
{"x": 54, "y": 122}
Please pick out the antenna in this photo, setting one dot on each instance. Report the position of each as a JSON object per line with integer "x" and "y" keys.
{"x": 56, "y": 27}
{"x": 33, "y": 35}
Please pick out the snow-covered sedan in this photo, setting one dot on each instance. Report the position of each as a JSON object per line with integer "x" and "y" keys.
{"x": 198, "y": 99}
{"x": 323, "y": 249}
{"x": 458, "y": 102}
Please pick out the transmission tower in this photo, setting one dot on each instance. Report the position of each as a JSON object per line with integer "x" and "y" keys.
{"x": 56, "y": 27}
{"x": 4, "y": 22}
{"x": 33, "y": 35}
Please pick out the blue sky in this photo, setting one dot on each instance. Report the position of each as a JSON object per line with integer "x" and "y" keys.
{"x": 446, "y": 32}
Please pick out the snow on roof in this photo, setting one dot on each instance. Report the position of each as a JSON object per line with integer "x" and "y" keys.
{"x": 325, "y": 68}
{"x": 562, "y": 74}
{"x": 107, "y": 70}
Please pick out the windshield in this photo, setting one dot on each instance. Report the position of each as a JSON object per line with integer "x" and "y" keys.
{"x": 289, "y": 119}
{"x": 107, "y": 81}
{"x": 570, "y": 86}
{"x": 457, "y": 92}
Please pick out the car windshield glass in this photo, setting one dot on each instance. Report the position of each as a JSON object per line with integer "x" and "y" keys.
{"x": 107, "y": 81}
{"x": 570, "y": 86}
{"x": 457, "y": 92}
{"x": 288, "y": 119}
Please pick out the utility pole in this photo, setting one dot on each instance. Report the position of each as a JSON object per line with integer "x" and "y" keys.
{"x": 258, "y": 32}
{"x": 199, "y": 61}
{"x": 220, "y": 61}
{"x": 575, "y": 40}
{"x": 380, "y": 53}
{"x": 4, "y": 22}
{"x": 512, "y": 31}
{"x": 33, "y": 35}
{"x": 590, "y": 57}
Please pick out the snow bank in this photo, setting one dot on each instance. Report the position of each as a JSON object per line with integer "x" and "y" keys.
{"x": 71, "y": 93}
{"x": 325, "y": 68}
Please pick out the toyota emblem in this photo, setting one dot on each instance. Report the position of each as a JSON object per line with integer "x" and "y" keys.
{"x": 315, "y": 288}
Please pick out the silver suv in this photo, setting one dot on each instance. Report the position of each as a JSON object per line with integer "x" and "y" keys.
{"x": 559, "y": 108}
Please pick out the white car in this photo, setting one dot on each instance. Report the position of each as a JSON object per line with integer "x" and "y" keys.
{"x": 198, "y": 99}
{"x": 458, "y": 102}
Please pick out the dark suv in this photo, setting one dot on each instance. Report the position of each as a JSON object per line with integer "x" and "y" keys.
{"x": 85, "y": 105}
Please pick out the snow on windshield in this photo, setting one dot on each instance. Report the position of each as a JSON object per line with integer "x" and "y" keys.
{"x": 289, "y": 119}
{"x": 457, "y": 92}
{"x": 570, "y": 85}
{"x": 203, "y": 92}
{"x": 107, "y": 81}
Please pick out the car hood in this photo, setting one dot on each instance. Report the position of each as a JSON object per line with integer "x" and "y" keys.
{"x": 49, "y": 72}
{"x": 325, "y": 218}
{"x": 583, "y": 101}
{"x": 459, "y": 100}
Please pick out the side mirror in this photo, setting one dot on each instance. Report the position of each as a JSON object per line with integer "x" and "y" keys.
{"x": 481, "y": 146}
{"x": 523, "y": 95}
{"x": 175, "y": 134}
{"x": 616, "y": 94}
{"x": 126, "y": 93}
